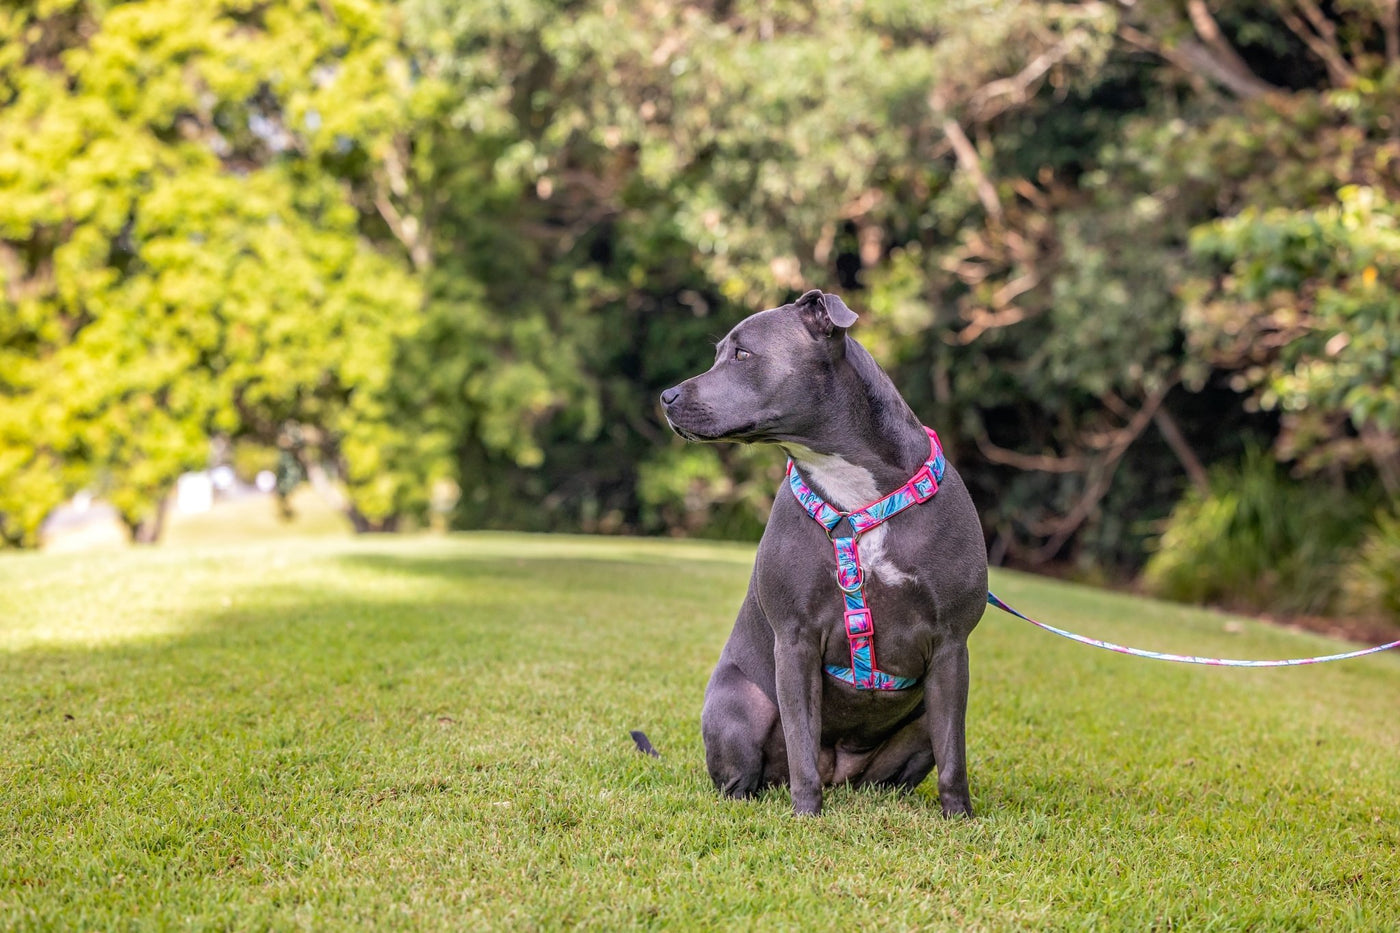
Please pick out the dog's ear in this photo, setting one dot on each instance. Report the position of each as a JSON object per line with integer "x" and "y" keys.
{"x": 824, "y": 315}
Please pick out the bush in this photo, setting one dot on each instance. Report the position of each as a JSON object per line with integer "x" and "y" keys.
{"x": 1259, "y": 541}
{"x": 1372, "y": 579}
{"x": 689, "y": 488}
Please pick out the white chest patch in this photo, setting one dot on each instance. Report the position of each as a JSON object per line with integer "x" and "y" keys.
{"x": 847, "y": 486}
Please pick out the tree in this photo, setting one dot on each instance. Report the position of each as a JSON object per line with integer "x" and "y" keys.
{"x": 1055, "y": 219}
{"x": 1289, "y": 288}
{"x": 182, "y": 246}
{"x": 679, "y": 166}
{"x": 1306, "y": 309}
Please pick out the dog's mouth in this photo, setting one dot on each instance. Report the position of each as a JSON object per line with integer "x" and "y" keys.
{"x": 683, "y": 432}
{"x": 687, "y": 433}
{"x": 742, "y": 435}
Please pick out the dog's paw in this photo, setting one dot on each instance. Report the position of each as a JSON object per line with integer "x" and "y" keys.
{"x": 807, "y": 804}
{"x": 956, "y": 807}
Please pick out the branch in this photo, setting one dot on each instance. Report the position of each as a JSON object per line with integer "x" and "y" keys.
{"x": 1209, "y": 30}
{"x": 1016, "y": 89}
{"x": 1040, "y": 463}
{"x": 862, "y": 205}
{"x": 1177, "y": 442}
{"x": 971, "y": 163}
{"x": 391, "y": 180}
{"x": 1031, "y": 193}
{"x": 1099, "y": 488}
{"x": 1384, "y": 450}
{"x": 1321, "y": 39}
{"x": 1078, "y": 515}
{"x": 1015, "y": 288}
{"x": 404, "y": 227}
{"x": 971, "y": 271}
{"x": 1195, "y": 59}
{"x": 981, "y": 320}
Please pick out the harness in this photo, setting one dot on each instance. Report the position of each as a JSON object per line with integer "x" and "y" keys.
{"x": 860, "y": 624}
{"x": 863, "y": 674}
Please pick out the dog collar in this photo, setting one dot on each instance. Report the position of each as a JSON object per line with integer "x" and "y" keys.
{"x": 850, "y": 577}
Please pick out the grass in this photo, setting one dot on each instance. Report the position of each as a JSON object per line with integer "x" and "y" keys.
{"x": 431, "y": 733}
{"x": 250, "y": 518}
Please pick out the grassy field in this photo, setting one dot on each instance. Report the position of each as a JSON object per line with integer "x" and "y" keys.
{"x": 431, "y": 733}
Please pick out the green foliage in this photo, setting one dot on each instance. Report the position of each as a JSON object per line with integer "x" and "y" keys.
{"x": 1257, "y": 540}
{"x": 1308, "y": 310}
{"x": 184, "y": 261}
{"x": 680, "y": 488}
{"x": 662, "y": 171}
{"x": 462, "y": 246}
{"x": 1372, "y": 578}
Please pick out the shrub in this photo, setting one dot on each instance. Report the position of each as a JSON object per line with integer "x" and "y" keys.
{"x": 1372, "y": 579}
{"x": 1258, "y": 540}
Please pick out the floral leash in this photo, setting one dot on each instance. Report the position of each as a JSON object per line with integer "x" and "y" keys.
{"x": 863, "y": 674}
{"x": 1188, "y": 658}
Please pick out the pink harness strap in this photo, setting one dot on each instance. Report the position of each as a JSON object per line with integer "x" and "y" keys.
{"x": 859, "y": 620}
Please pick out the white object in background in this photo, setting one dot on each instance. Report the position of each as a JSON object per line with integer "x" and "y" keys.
{"x": 223, "y": 478}
{"x": 194, "y": 493}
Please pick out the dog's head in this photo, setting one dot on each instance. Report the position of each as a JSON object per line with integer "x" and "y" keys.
{"x": 770, "y": 375}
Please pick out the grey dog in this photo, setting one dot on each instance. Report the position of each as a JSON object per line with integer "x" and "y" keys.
{"x": 791, "y": 376}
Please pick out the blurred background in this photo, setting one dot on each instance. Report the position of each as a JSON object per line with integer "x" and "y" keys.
{"x": 331, "y": 265}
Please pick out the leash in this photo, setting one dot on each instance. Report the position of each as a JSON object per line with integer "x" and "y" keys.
{"x": 863, "y": 674}
{"x": 992, "y": 599}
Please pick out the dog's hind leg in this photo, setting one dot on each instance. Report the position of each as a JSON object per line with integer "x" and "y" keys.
{"x": 902, "y": 762}
{"x": 738, "y": 723}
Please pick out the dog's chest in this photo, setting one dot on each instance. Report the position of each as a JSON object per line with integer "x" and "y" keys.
{"x": 847, "y": 486}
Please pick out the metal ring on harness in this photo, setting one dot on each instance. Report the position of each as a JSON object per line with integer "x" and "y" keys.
{"x": 845, "y": 517}
{"x": 850, "y": 590}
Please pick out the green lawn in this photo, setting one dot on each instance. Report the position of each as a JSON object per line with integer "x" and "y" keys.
{"x": 431, "y": 733}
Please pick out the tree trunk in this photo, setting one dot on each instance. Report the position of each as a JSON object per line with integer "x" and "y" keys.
{"x": 330, "y": 493}
{"x": 363, "y": 525}
{"x": 149, "y": 529}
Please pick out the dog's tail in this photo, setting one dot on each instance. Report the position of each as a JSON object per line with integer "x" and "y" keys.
{"x": 644, "y": 744}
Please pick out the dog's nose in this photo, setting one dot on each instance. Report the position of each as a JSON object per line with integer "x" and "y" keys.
{"x": 670, "y": 395}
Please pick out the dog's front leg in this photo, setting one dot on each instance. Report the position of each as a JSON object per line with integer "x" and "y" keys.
{"x": 946, "y": 700}
{"x": 798, "y": 674}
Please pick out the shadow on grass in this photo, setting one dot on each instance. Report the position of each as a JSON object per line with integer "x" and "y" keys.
{"x": 440, "y": 726}
{"x": 545, "y": 549}
{"x": 483, "y": 568}
{"x": 255, "y": 744}
{"x": 526, "y": 653}
{"x": 409, "y": 670}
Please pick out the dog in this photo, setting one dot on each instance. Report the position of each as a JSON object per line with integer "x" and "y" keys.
{"x": 781, "y": 708}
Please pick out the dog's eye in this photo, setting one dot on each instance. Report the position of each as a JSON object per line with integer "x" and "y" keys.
{"x": 741, "y": 354}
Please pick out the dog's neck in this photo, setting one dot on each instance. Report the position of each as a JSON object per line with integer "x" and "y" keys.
{"x": 868, "y": 441}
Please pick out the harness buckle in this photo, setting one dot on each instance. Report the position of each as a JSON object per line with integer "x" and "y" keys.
{"x": 923, "y": 484}
{"x": 854, "y": 587}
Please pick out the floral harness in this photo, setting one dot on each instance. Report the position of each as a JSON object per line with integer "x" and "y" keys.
{"x": 863, "y": 674}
